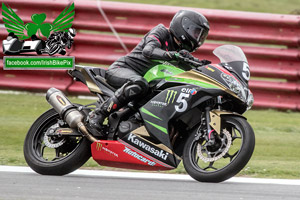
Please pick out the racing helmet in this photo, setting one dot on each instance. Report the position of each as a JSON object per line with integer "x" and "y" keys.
{"x": 71, "y": 33}
{"x": 190, "y": 28}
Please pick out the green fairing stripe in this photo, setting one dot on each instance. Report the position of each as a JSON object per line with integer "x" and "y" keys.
{"x": 190, "y": 81}
{"x": 162, "y": 71}
{"x": 158, "y": 127}
{"x": 149, "y": 113}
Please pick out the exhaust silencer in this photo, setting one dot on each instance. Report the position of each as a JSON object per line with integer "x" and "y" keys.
{"x": 67, "y": 111}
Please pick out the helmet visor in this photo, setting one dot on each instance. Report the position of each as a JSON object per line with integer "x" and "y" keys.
{"x": 196, "y": 32}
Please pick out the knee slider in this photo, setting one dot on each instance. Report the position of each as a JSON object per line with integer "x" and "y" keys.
{"x": 141, "y": 82}
{"x": 133, "y": 91}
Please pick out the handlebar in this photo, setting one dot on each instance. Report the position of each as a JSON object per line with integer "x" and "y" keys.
{"x": 194, "y": 63}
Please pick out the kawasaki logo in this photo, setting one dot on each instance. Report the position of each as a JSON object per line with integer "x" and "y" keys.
{"x": 160, "y": 153}
{"x": 170, "y": 96}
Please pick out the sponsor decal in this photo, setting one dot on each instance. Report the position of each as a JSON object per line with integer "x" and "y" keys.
{"x": 110, "y": 106}
{"x": 158, "y": 103}
{"x": 166, "y": 71}
{"x": 61, "y": 100}
{"x": 182, "y": 99}
{"x": 193, "y": 91}
{"x": 187, "y": 90}
{"x": 170, "y": 96}
{"x": 159, "y": 153}
{"x": 210, "y": 69}
{"x": 65, "y": 131}
{"x": 110, "y": 152}
{"x": 99, "y": 146}
{"x": 139, "y": 157}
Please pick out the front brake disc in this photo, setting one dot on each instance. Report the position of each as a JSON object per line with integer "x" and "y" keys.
{"x": 207, "y": 156}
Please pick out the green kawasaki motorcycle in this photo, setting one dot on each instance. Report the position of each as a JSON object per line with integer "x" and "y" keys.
{"x": 191, "y": 115}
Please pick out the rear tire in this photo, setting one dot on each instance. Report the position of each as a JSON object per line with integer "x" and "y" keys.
{"x": 68, "y": 157}
{"x": 237, "y": 161}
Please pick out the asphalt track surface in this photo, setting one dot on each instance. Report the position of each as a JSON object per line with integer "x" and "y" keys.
{"x": 21, "y": 183}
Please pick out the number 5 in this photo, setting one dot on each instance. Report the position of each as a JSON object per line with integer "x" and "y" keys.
{"x": 246, "y": 72}
{"x": 182, "y": 102}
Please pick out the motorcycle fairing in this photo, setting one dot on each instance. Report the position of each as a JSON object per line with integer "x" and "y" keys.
{"x": 239, "y": 69}
{"x": 215, "y": 72}
{"x": 168, "y": 104}
{"x": 113, "y": 153}
{"x": 87, "y": 75}
{"x": 162, "y": 71}
{"x": 208, "y": 76}
{"x": 159, "y": 152}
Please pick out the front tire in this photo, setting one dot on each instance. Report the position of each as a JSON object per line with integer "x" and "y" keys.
{"x": 208, "y": 164}
{"x": 71, "y": 154}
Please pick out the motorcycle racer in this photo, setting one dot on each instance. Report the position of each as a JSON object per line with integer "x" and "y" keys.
{"x": 64, "y": 39}
{"x": 187, "y": 32}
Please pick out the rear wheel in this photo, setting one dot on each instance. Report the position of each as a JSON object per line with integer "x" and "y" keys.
{"x": 227, "y": 156}
{"x": 54, "y": 155}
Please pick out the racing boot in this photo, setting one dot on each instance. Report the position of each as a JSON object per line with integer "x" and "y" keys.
{"x": 122, "y": 96}
{"x": 136, "y": 87}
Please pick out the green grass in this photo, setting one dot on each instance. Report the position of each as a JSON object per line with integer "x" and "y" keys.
{"x": 17, "y": 113}
{"x": 276, "y": 153}
{"x": 268, "y": 6}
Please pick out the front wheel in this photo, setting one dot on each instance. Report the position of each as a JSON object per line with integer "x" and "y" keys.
{"x": 51, "y": 154}
{"x": 225, "y": 157}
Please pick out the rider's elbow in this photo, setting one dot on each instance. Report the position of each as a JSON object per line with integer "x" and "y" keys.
{"x": 147, "y": 51}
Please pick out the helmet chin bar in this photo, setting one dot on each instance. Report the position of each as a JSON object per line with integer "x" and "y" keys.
{"x": 177, "y": 41}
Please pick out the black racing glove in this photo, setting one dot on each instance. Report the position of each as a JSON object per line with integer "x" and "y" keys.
{"x": 202, "y": 62}
{"x": 186, "y": 54}
{"x": 181, "y": 55}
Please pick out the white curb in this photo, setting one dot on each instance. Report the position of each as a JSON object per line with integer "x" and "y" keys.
{"x": 155, "y": 176}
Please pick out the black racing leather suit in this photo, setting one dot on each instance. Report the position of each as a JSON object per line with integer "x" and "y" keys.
{"x": 127, "y": 72}
{"x": 150, "y": 50}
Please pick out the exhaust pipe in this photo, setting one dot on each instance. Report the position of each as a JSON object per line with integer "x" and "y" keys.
{"x": 67, "y": 111}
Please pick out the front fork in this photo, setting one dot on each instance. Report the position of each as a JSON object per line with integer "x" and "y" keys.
{"x": 209, "y": 133}
{"x": 209, "y": 123}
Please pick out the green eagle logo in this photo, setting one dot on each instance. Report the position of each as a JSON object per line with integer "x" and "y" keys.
{"x": 13, "y": 23}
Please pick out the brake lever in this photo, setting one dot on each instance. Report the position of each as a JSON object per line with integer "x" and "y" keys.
{"x": 192, "y": 62}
